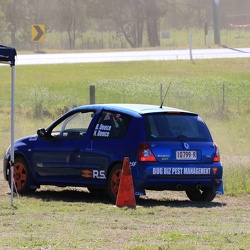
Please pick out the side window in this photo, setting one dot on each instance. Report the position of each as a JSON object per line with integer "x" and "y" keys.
{"x": 111, "y": 125}
{"x": 74, "y": 126}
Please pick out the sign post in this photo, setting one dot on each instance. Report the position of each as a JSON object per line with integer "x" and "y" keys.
{"x": 216, "y": 16}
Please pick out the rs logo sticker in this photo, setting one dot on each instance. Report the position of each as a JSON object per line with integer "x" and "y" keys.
{"x": 95, "y": 174}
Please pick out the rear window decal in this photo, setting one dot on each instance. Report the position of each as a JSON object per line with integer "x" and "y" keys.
{"x": 102, "y": 130}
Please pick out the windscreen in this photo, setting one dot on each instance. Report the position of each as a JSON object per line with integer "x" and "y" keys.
{"x": 176, "y": 127}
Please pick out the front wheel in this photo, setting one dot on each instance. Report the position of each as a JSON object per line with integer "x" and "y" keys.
{"x": 114, "y": 181}
{"x": 205, "y": 194}
{"x": 21, "y": 172}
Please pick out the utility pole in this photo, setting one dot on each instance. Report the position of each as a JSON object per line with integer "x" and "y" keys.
{"x": 216, "y": 15}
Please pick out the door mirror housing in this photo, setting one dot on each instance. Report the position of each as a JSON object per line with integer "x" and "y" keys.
{"x": 41, "y": 132}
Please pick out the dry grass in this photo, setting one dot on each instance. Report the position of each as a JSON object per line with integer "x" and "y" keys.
{"x": 71, "y": 218}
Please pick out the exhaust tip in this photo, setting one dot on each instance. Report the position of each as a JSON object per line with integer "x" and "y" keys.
{"x": 198, "y": 186}
{"x": 179, "y": 187}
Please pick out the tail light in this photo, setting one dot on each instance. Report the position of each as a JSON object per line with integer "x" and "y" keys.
{"x": 145, "y": 153}
{"x": 217, "y": 154}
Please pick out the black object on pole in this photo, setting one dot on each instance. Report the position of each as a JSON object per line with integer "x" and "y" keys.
{"x": 7, "y": 55}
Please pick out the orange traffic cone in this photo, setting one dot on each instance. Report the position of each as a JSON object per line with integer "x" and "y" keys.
{"x": 126, "y": 194}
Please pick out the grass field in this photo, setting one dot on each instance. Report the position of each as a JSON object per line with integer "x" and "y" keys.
{"x": 218, "y": 90}
{"x": 56, "y": 218}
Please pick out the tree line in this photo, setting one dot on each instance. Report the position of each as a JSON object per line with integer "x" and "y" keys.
{"x": 133, "y": 19}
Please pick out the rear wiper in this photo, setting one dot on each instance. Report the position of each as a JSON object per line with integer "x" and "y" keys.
{"x": 181, "y": 138}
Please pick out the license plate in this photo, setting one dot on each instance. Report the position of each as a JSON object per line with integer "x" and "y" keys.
{"x": 186, "y": 155}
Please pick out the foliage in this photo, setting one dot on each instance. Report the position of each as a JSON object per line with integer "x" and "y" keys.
{"x": 134, "y": 20}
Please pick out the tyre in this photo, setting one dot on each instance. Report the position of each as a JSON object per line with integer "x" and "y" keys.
{"x": 205, "y": 194}
{"x": 21, "y": 172}
{"x": 114, "y": 181}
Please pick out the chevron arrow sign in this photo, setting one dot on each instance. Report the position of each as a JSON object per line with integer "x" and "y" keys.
{"x": 38, "y": 33}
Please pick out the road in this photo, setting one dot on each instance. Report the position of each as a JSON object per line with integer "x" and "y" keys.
{"x": 125, "y": 56}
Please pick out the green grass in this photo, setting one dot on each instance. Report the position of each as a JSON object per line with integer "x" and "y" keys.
{"x": 73, "y": 219}
{"x": 218, "y": 90}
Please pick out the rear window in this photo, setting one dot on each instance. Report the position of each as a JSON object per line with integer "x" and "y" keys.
{"x": 176, "y": 127}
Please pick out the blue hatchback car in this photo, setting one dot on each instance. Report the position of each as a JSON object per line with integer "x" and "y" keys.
{"x": 168, "y": 149}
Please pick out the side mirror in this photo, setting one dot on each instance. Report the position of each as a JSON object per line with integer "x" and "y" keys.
{"x": 41, "y": 132}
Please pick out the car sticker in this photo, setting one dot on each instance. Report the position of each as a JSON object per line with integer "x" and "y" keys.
{"x": 33, "y": 138}
{"x": 102, "y": 130}
{"x": 94, "y": 174}
{"x": 183, "y": 171}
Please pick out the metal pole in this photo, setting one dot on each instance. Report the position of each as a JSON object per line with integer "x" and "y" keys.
{"x": 209, "y": 37}
{"x": 190, "y": 47}
{"x": 223, "y": 96}
{"x": 160, "y": 93}
{"x": 92, "y": 94}
{"x": 216, "y": 21}
{"x": 12, "y": 132}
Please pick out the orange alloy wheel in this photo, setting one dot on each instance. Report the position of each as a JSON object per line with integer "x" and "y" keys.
{"x": 115, "y": 181}
{"x": 20, "y": 175}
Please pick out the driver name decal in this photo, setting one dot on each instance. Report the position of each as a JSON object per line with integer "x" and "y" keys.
{"x": 102, "y": 130}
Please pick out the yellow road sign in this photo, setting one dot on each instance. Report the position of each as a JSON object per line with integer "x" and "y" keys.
{"x": 38, "y": 33}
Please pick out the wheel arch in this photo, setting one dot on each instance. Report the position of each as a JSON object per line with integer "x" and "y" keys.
{"x": 30, "y": 184}
{"x": 16, "y": 155}
{"x": 111, "y": 167}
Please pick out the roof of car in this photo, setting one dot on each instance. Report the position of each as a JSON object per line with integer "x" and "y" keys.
{"x": 135, "y": 108}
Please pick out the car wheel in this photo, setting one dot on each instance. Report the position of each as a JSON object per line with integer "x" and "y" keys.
{"x": 114, "y": 181}
{"x": 206, "y": 194}
{"x": 21, "y": 172}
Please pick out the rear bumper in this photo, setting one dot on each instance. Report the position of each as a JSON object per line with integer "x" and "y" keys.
{"x": 181, "y": 185}
{"x": 179, "y": 177}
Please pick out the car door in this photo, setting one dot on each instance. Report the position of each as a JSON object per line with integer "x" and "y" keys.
{"x": 59, "y": 155}
{"x": 106, "y": 145}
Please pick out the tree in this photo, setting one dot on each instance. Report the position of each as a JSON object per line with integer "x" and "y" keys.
{"x": 68, "y": 14}
{"x": 3, "y": 25}
{"x": 152, "y": 16}
{"x": 16, "y": 13}
{"x": 129, "y": 18}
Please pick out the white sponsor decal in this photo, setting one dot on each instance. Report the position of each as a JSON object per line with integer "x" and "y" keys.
{"x": 99, "y": 174}
{"x": 133, "y": 163}
{"x": 181, "y": 171}
{"x": 33, "y": 138}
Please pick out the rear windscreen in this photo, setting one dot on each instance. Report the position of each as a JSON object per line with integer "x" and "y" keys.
{"x": 176, "y": 127}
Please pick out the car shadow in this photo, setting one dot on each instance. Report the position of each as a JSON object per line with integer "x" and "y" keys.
{"x": 84, "y": 196}
{"x": 70, "y": 196}
{"x": 178, "y": 203}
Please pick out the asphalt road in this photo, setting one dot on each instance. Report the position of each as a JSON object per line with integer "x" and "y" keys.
{"x": 125, "y": 56}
